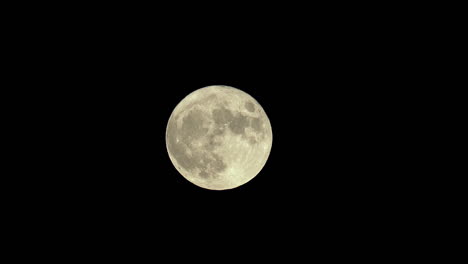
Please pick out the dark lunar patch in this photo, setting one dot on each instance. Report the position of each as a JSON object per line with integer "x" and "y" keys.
{"x": 202, "y": 162}
{"x": 203, "y": 174}
{"x": 238, "y": 124}
{"x": 218, "y": 131}
{"x": 221, "y": 115}
{"x": 192, "y": 125}
{"x": 218, "y": 165}
{"x": 250, "y": 106}
{"x": 256, "y": 124}
{"x": 213, "y": 165}
{"x": 208, "y": 163}
{"x": 252, "y": 140}
{"x": 211, "y": 143}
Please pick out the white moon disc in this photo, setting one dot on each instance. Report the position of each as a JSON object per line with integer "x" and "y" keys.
{"x": 219, "y": 137}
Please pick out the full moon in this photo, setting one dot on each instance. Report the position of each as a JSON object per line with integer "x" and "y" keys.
{"x": 218, "y": 137}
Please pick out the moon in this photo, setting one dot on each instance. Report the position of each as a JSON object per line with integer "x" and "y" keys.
{"x": 218, "y": 137}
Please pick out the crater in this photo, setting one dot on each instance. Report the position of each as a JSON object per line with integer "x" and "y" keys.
{"x": 249, "y": 106}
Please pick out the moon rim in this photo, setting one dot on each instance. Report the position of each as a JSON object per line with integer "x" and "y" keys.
{"x": 244, "y": 149}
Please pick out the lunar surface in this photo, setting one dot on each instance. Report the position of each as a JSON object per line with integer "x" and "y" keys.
{"x": 219, "y": 137}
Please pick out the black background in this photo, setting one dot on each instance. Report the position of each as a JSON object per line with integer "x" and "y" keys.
{"x": 108, "y": 82}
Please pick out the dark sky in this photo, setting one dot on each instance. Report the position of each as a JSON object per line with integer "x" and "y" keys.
{"x": 326, "y": 86}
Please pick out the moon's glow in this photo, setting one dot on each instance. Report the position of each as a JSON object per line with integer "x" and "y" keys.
{"x": 218, "y": 137}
